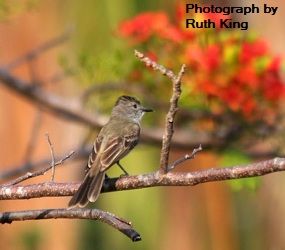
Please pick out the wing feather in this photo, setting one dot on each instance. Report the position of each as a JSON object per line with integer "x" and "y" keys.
{"x": 117, "y": 148}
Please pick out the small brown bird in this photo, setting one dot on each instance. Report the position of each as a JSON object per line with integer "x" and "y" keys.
{"x": 115, "y": 140}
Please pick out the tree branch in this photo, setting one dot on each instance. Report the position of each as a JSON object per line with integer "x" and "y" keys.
{"x": 51, "y": 189}
{"x": 169, "y": 130}
{"x": 69, "y": 109}
{"x": 91, "y": 214}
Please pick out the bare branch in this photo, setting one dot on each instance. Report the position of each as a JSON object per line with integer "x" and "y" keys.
{"x": 185, "y": 158}
{"x": 52, "y": 189}
{"x": 29, "y": 175}
{"x": 57, "y": 105}
{"x": 169, "y": 130}
{"x": 91, "y": 214}
{"x": 148, "y": 62}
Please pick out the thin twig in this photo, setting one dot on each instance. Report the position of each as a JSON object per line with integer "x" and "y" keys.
{"x": 148, "y": 62}
{"x": 185, "y": 158}
{"x": 17, "y": 170}
{"x": 91, "y": 214}
{"x": 52, "y": 156}
{"x": 38, "y": 173}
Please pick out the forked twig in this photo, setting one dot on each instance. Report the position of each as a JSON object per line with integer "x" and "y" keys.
{"x": 29, "y": 175}
{"x": 169, "y": 127}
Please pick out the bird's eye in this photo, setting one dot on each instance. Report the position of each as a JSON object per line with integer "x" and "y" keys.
{"x": 135, "y": 106}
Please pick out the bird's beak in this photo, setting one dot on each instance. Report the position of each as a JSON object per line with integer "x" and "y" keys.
{"x": 146, "y": 109}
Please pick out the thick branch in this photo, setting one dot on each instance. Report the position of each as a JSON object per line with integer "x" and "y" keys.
{"x": 49, "y": 189}
{"x": 90, "y": 214}
{"x": 50, "y": 102}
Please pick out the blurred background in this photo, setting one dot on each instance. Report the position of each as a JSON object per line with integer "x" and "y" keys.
{"x": 232, "y": 103}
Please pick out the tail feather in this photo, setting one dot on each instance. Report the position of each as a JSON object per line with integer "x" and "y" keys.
{"x": 80, "y": 197}
{"x": 95, "y": 187}
{"x": 89, "y": 190}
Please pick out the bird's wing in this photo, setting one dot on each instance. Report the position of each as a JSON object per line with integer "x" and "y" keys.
{"x": 107, "y": 150}
{"x": 117, "y": 147}
{"x": 94, "y": 152}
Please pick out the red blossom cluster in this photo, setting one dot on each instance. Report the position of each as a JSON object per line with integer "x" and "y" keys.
{"x": 233, "y": 70}
{"x": 148, "y": 24}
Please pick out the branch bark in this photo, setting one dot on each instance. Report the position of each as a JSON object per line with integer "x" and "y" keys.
{"x": 169, "y": 128}
{"x": 51, "y": 189}
{"x": 91, "y": 214}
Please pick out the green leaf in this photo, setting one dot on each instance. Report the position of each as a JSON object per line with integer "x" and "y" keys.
{"x": 234, "y": 157}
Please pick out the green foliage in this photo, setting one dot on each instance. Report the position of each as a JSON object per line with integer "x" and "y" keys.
{"x": 234, "y": 157}
{"x": 31, "y": 239}
{"x": 12, "y": 7}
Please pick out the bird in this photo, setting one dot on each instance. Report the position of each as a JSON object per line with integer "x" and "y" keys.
{"x": 114, "y": 141}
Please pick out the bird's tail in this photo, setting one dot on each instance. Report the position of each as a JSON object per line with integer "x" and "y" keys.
{"x": 89, "y": 190}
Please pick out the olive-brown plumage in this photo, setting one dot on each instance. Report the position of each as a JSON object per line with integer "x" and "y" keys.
{"x": 115, "y": 140}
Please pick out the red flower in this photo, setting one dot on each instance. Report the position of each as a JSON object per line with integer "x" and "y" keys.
{"x": 248, "y": 77}
{"x": 252, "y": 50}
{"x": 233, "y": 96}
{"x": 194, "y": 56}
{"x": 209, "y": 87}
{"x": 275, "y": 64}
{"x": 238, "y": 75}
{"x": 207, "y": 60}
{"x": 273, "y": 88}
{"x": 171, "y": 33}
{"x": 180, "y": 12}
{"x": 212, "y": 57}
{"x": 144, "y": 25}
